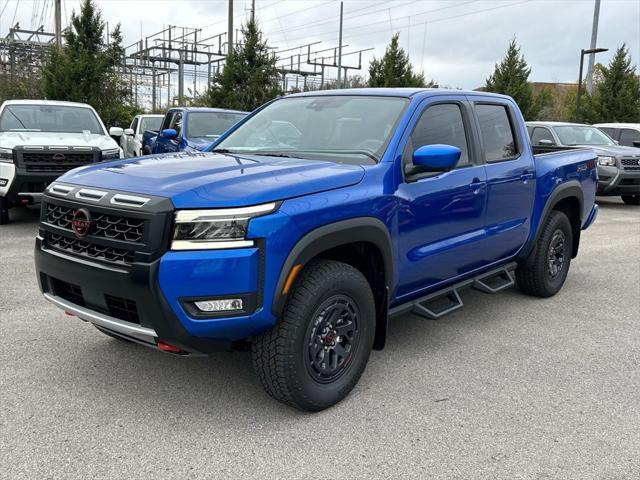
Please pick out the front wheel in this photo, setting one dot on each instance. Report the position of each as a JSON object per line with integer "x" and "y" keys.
{"x": 4, "y": 211}
{"x": 544, "y": 272}
{"x": 631, "y": 199}
{"x": 316, "y": 353}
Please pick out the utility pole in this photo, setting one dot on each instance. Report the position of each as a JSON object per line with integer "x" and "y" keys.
{"x": 58, "y": 21}
{"x": 594, "y": 39}
{"x": 340, "y": 51}
{"x": 253, "y": 11}
{"x": 230, "y": 29}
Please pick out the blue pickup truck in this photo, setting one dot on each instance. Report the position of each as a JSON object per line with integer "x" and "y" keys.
{"x": 311, "y": 223}
{"x": 189, "y": 129}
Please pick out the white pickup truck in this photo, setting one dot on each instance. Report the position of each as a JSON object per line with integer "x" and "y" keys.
{"x": 42, "y": 139}
{"x": 131, "y": 141}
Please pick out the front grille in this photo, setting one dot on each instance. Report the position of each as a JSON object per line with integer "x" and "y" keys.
{"x": 68, "y": 291}
{"x": 631, "y": 163}
{"x": 88, "y": 249}
{"x": 113, "y": 227}
{"x": 122, "y": 308}
{"x": 55, "y": 162}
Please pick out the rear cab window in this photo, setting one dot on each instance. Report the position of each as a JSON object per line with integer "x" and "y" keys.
{"x": 496, "y": 132}
{"x": 628, "y": 136}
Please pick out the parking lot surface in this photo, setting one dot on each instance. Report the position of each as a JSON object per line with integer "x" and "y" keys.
{"x": 508, "y": 387}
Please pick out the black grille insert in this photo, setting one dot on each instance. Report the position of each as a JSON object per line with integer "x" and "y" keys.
{"x": 631, "y": 163}
{"x": 103, "y": 225}
{"x": 47, "y": 161}
{"x": 68, "y": 291}
{"x": 122, "y": 308}
{"x": 89, "y": 250}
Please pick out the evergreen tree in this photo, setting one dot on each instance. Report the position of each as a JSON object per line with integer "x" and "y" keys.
{"x": 250, "y": 76}
{"x": 616, "y": 93}
{"x": 394, "y": 68}
{"x": 511, "y": 77}
{"x": 84, "y": 68}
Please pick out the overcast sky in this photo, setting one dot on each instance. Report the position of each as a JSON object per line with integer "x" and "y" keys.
{"x": 455, "y": 42}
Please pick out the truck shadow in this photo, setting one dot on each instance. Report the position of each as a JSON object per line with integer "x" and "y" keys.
{"x": 613, "y": 203}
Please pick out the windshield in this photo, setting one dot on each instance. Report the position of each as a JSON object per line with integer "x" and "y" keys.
{"x": 211, "y": 124}
{"x": 582, "y": 135}
{"x": 150, "y": 123}
{"x": 49, "y": 118}
{"x": 349, "y": 129}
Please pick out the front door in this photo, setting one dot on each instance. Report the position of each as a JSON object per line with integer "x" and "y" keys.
{"x": 441, "y": 216}
{"x": 174, "y": 121}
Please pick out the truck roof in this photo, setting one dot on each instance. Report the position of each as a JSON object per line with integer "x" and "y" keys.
{"x": 559, "y": 124}
{"x": 207, "y": 109}
{"x": 395, "y": 92}
{"x": 46, "y": 102}
{"x": 617, "y": 125}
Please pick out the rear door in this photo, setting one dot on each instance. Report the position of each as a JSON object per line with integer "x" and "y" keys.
{"x": 440, "y": 216}
{"x": 511, "y": 183}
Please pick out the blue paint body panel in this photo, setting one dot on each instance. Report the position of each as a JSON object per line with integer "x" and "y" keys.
{"x": 443, "y": 227}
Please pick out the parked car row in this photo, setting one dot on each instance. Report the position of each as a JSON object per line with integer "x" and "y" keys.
{"x": 618, "y": 164}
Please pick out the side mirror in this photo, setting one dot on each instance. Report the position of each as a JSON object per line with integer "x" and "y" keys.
{"x": 636, "y": 143}
{"x": 435, "y": 158}
{"x": 128, "y": 131}
{"x": 169, "y": 133}
{"x": 545, "y": 143}
{"x": 115, "y": 131}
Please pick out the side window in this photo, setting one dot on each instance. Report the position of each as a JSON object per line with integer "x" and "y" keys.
{"x": 176, "y": 122}
{"x": 628, "y": 136}
{"x": 496, "y": 131}
{"x": 439, "y": 124}
{"x": 609, "y": 131}
{"x": 541, "y": 133}
{"x": 167, "y": 119}
{"x": 134, "y": 124}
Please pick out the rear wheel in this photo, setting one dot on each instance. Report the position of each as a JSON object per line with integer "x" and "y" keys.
{"x": 631, "y": 199}
{"x": 545, "y": 271}
{"x": 4, "y": 211}
{"x": 316, "y": 353}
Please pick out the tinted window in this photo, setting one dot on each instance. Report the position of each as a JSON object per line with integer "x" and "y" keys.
{"x": 541, "y": 133}
{"x": 496, "y": 132}
{"x": 211, "y": 124}
{"x": 440, "y": 124}
{"x": 167, "y": 119}
{"x": 134, "y": 124}
{"x": 50, "y": 118}
{"x": 150, "y": 123}
{"x": 609, "y": 131}
{"x": 176, "y": 122}
{"x": 628, "y": 136}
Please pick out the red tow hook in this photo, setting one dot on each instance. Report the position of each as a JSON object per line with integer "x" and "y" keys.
{"x": 165, "y": 347}
{"x": 69, "y": 314}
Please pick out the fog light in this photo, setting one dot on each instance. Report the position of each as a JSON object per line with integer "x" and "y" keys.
{"x": 223, "y": 305}
{"x": 3, "y": 182}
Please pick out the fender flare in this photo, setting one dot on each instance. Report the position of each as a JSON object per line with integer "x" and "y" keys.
{"x": 360, "y": 229}
{"x": 571, "y": 188}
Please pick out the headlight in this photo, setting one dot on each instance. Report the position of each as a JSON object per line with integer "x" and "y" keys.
{"x": 607, "y": 161}
{"x": 6, "y": 155}
{"x": 111, "y": 154}
{"x": 220, "y": 228}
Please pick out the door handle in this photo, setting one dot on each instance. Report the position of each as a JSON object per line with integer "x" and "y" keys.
{"x": 476, "y": 185}
{"x": 526, "y": 176}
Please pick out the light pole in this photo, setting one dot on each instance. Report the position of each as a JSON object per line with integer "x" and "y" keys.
{"x": 584, "y": 52}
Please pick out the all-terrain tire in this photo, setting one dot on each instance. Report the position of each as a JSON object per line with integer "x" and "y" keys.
{"x": 631, "y": 199}
{"x": 544, "y": 272}
{"x": 4, "y": 211}
{"x": 298, "y": 361}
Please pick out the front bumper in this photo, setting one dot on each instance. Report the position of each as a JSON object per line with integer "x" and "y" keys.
{"x": 616, "y": 181}
{"x": 158, "y": 291}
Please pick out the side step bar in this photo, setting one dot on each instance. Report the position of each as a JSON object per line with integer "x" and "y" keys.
{"x": 440, "y": 303}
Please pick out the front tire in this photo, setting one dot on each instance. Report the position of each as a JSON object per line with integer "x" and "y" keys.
{"x": 4, "y": 211}
{"x": 544, "y": 272}
{"x": 631, "y": 199}
{"x": 318, "y": 350}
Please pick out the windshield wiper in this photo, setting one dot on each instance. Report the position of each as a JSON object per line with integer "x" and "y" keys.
{"x": 345, "y": 152}
{"x": 221, "y": 150}
{"x": 269, "y": 154}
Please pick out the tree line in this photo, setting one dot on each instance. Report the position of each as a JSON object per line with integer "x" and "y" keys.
{"x": 88, "y": 69}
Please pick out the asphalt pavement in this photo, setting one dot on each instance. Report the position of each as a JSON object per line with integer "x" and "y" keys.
{"x": 509, "y": 387}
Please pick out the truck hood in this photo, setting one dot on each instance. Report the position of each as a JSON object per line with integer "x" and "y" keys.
{"x": 50, "y": 139}
{"x": 614, "y": 150}
{"x": 213, "y": 180}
